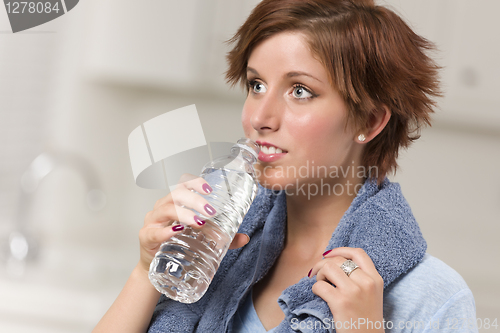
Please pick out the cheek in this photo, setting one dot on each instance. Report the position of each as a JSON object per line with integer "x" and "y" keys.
{"x": 321, "y": 138}
{"x": 315, "y": 130}
{"x": 245, "y": 119}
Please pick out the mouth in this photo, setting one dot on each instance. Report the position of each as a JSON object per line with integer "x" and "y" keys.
{"x": 270, "y": 152}
{"x": 269, "y": 149}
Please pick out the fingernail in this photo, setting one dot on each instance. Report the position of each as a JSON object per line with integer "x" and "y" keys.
{"x": 178, "y": 227}
{"x": 207, "y": 188}
{"x": 199, "y": 221}
{"x": 209, "y": 209}
{"x": 324, "y": 254}
{"x": 309, "y": 274}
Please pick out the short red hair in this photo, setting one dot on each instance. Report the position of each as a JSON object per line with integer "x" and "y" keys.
{"x": 372, "y": 56}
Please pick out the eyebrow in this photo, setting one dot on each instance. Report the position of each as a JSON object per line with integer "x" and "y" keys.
{"x": 288, "y": 75}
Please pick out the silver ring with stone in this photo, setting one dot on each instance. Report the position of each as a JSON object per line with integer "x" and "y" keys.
{"x": 349, "y": 266}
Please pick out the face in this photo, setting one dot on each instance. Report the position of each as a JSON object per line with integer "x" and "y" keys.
{"x": 292, "y": 108}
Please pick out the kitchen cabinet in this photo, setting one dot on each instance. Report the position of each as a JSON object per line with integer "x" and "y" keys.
{"x": 179, "y": 46}
{"x": 466, "y": 34}
{"x": 173, "y": 45}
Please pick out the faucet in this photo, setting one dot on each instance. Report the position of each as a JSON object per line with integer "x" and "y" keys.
{"x": 22, "y": 244}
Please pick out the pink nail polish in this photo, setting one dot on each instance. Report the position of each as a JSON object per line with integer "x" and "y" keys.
{"x": 178, "y": 227}
{"x": 209, "y": 209}
{"x": 324, "y": 254}
{"x": 207, "y": 188}
{"x": 199, "y": 221}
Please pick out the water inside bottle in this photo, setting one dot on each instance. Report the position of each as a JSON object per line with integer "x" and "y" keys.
{"x": 186, "y": 264}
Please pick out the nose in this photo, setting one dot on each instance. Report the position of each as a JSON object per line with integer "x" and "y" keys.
{"x": 266, "y": 113}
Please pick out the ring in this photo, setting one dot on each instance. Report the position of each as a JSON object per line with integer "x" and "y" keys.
{"x": 348, "y": 267}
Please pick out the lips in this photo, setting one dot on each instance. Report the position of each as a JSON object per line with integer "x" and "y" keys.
{"x": 270, "y": 152}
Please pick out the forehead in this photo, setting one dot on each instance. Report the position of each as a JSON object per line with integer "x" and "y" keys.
{"x": 286, "y": 52}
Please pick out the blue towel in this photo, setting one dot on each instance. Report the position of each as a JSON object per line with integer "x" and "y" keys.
{"x": 379, "y": 220}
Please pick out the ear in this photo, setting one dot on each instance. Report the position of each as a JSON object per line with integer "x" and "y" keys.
{"x": 377, "y": 122}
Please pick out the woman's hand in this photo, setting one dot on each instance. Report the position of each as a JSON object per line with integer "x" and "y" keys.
{"x": 356, "y": 301}
{"x": 134, "y": 306}
{"x": 158, "y": 223}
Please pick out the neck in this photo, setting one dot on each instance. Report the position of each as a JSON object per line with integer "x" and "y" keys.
{"x": 311, "y": 219}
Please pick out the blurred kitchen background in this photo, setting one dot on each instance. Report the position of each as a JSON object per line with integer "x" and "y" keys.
{"x": 73, "y": 89}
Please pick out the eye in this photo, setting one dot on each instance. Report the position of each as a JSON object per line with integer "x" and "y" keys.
{"x": 301, "y": 92}
{"x": 256, "y": 87}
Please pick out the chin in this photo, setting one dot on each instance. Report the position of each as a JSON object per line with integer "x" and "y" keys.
{"x": 276, "y": 184}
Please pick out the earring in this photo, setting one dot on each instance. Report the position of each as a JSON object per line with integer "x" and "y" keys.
{"x": 361, "y": 137}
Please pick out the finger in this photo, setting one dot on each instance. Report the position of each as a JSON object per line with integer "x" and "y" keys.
{"x": 366, "y": 276}
{"x": 195, "y": 183}
{"x": 357, "y": 276}
{"x": 325, "y": 290}
{"x": 357, "y": 255}
{"x": 178, "y": 208}
{"x": 187, "y": 182}
{"x": 169, "y": 213}
{"x": 239, "y": 240}
{"x": 192, "y": 200}
{"x": 151, "y": 237}
{"x": 319, "y": 265}
{"x": 316, "y": 268}
{"x": 181, "y": 196}
{"x": 332, "y": 273}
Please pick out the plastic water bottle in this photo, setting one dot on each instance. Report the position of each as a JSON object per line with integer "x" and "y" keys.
{"x": 185, "y": 264}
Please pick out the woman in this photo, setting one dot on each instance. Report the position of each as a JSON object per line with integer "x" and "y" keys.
{"x": 335, "y": 89}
